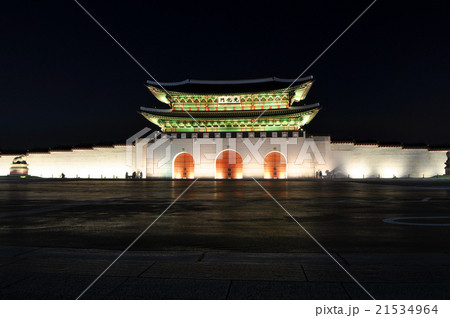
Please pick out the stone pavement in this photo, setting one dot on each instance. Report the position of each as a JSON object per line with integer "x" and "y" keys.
{"x": 61, "y": 273}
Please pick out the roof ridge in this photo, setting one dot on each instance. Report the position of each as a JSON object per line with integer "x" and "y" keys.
{"x": 231, "y": 82}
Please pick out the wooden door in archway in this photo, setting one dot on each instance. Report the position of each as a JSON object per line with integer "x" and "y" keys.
{"x": 229, "y": 165}
{"x": 183, "y": 166}
{"x": 274, "y": 166}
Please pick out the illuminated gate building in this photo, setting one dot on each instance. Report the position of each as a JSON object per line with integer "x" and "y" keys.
{"x": 255, "y": 128}
{"x": 233, "y": 130}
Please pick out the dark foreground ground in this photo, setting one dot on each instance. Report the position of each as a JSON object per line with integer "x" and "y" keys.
{"x": 224, "y": 239}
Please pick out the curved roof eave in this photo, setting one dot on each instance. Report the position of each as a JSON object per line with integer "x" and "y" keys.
{"x": 217, "y": 88}
{"x": 231, "y": 82}
{"x": 231, "y": 114}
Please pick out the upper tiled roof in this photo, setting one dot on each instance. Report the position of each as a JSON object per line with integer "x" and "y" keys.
{"x": 230, "y": 86}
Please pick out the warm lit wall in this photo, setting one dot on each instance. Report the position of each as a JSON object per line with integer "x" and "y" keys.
{"x": 341, "y": 159}
{"x": 366, "y": 161}
{"x": 99, "y": 162}
{"x": 160, "y": 159}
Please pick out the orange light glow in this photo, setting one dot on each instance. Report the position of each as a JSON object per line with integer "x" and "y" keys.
{"x": 183, "y": 166}
{"x": 229, "y": 165}
{"x": 274, "y": 166}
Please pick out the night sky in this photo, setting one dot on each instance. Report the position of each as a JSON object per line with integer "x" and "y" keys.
{"x": 63, "y": 81}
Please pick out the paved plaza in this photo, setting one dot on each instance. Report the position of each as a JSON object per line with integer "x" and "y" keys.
{"x": 224, "y": 239}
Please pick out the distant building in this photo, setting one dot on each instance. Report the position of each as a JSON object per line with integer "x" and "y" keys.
{"x": 19, "y": 167}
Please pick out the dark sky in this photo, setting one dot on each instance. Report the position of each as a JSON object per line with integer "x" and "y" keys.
{"x": 63, "y": 81}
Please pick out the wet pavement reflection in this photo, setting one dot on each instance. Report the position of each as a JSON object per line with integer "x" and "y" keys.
{"x": 224, "y": 215}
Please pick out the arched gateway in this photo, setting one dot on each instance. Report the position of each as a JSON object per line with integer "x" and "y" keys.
{"x": 275, "y": 166}
{"x": 232, "y": 110}
{"x": 183, "y": 166}
{"x": 229, "y": 165}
